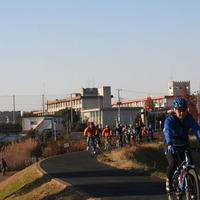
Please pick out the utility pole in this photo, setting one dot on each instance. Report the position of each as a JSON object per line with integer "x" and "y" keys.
{"x": 198, "y": 105}
{"x": 119, "y": 103}
{"x": 43, "y": 103}
{"x": 13, "y": 109}
{"x": 71, "y": 113}
{"x": 99, "y": 105}
{"x": 43, "y": 110}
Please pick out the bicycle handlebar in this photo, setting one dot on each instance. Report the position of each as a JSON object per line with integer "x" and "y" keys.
{"x": 195, "y": 149}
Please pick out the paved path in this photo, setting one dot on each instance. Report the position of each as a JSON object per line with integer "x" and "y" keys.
{"x": 8, "y": 174}
{"x": 102, "y": 181}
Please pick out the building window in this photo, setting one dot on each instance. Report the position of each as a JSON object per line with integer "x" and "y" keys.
{"x": 33, "y": 122}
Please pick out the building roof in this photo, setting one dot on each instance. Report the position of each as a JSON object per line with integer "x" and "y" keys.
{"x": 144, "y": 99}
{"x": 62, "y": 100}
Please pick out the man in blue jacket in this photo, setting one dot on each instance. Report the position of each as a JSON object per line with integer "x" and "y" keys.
{"x": 176, "y": 129}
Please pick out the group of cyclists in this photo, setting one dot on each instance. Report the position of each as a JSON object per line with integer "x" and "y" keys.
{"x": 126, "y": 134}
{"x": 176, "y": 132}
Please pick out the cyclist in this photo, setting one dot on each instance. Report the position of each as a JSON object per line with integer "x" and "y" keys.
{"x": 145, "y": 134}
{"x": 119, "y": 135}
{"x": 138, "y": 133}
{"x": 126, "y": 133}
{"x": 98, "y": 136}
{"x": 151, "y": 131}
{"x": 89, "y": 131}
{"x": 107, "y": 132}
{"x": 132, "y": 135}
{"x": 176, "y": 129}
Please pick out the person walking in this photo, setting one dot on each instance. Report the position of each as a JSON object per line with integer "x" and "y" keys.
{"x": 3, "y": 167}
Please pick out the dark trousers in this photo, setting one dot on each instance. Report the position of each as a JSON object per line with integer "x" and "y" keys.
{"x": 174, "y": 160}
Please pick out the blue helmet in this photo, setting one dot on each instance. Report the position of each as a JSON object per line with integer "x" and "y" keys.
{"x": 180, "y": 102}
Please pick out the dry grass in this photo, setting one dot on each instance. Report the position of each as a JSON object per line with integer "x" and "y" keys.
{"x": 31, "y": 184}
{"x": 18, "y": 154}
{"x": 145, "y": 158}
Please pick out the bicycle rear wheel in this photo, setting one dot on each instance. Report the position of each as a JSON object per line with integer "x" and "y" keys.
{"x": 192, "y": 185}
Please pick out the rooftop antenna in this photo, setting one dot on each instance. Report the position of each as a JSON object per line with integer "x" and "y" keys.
{"x": 93, "y": 83}
{"x": 171, "y": 75}
{"x": 88, "y": 83}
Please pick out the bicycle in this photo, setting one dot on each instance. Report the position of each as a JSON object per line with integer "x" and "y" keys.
{"x": 127, "y": 138}
{"x": 92, "y": 145}
{"x": 185, "y": 180}
{"x": 138, "y": 138}
{"x": 119, "y": 142}
{"x": 107, "y": 143}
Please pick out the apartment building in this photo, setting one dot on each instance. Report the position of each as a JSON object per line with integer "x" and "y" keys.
{"x": 94, "y": 104}
{"x": 88, "y": 98}
{"x": 88, "y": 103}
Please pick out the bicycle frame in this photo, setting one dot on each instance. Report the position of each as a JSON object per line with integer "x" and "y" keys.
{"x": 182, "y": 175}
{"x": 119, "y": 142}
{"x": 107, "y": 143}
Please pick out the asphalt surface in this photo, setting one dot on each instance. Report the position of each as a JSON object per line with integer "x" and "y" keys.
{"x": 102, "y": 181}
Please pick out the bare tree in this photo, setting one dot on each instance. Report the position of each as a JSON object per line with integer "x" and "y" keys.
{"x": 149, "y": 106}
{"x": 192, "y": 104}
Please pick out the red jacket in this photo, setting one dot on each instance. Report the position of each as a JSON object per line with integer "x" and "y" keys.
{"x": 145, "y": 131}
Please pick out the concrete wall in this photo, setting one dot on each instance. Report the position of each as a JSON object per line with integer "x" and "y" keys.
{"x": 43, "y": 122}
{"x": 128, "y": 116}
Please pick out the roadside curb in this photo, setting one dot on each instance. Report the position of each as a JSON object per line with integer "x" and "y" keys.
{"x": 44, "y": 173}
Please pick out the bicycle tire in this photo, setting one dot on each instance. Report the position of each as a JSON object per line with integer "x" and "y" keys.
{"x": 175, "y": 194}
{"x": 92, "y": 147}
{"x": 192, "y": 185}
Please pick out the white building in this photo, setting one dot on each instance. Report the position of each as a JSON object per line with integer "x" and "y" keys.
{"x": 88, "y": 98}
{"x": 42, "y": 123}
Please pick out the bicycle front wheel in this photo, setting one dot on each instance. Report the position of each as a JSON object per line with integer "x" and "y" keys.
{"x": 192, "y": 185}
{"x": 175, "y": 194}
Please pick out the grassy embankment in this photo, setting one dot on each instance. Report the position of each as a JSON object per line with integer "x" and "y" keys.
{"x": 29, "y": 183}
{"x": 146, "y": 159}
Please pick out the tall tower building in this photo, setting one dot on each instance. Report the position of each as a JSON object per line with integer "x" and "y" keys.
{"x": 175, "y": 87}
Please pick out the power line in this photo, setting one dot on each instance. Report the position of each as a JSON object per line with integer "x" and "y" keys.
{"x": 144, "y": 92}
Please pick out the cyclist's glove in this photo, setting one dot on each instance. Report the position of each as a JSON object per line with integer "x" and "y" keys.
{"x": 171, "y": 149}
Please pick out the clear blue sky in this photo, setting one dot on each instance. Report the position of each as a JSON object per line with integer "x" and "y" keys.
{"x": 60, "y": 46}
